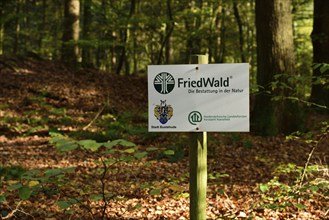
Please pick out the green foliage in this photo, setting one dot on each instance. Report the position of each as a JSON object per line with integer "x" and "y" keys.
{"x": 217, "y": 176}
{"x": 36, "y": 120}
{"x": 29, "y": 183}
{"x": 323, "y": 67}
{"x": 2, "y": 199}
{"x": 118, "y": 151}
{"x": 288, "y": 169}
{"x": 126, "y": 125}
{"x": 64, "y": 204}
{"x": 323, "y": 78}
{"x": 64, "y": 143}
{"x": 154, "y": 192}
{"x": 173, "y": 153}
{"x": 278, "y": 195}
{"x": 24, "y": 192}
{"x": 12, "y": 172}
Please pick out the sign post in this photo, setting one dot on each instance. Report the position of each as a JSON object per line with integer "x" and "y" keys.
{"x": 198, "y": 165}
{"x": 198, "y": 98}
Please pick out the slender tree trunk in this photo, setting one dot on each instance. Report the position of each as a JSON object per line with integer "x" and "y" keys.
{"x": 214, "y": 27}
{"x": 135, "y": 54}
{"x": 86, "y": 50}
{"x": 2, "y": 25}
{"x": 123, "y": 54}
{"x": 193, "y": 25}
{"x": 17, "y": 27}
{"x": 70, "y": 49}
{"x": 166, "y": 41}
{"x": 28, "y": 41}
{"x": 43, "y": 26}
{"x": 222, "y": 41}
{"x": 275, "y": 55}
{"x": 241, "y": 38}
{"x": 320, "y": 40}
{"x": 113, "y": 52}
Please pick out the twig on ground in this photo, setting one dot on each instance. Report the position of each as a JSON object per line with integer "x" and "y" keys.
{"x": 94, "y": 119}
{"x": 107, "y": 104}
{"x": 306, "y": 165}
{"x": 103, "y": 187}
{"x": 14, "y": 211}
{"x": 310, "y": 156}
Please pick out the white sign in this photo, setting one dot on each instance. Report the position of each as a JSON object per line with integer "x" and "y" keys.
{"x": 198, "y": 97}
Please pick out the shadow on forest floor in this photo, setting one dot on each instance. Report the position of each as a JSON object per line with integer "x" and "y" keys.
{"x": 41, "y": 96}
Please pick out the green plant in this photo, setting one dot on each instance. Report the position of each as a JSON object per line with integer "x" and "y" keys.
{"x": 322, "y": 79}
{"x": 125, "y": 125}
{"x": 28, "y": 184}
{"x": 25, "y": 184}
{"x": 310, "y": 182}
{"x": 278, "y": 195}
{"x": 111, "y": 155}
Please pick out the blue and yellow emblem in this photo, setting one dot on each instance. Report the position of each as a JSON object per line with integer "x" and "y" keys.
{"x": 163, "y": 112}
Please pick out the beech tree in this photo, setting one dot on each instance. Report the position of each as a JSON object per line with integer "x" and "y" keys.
{"x": 70, "y": 49}
{"x": 86, "y": 32}
{"x": 275, "y": 61}
{"x": 320, "y": 40}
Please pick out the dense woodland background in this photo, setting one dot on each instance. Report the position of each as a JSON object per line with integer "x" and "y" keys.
{"x": 123, "y": 37}
{"x": 65, "y": 67}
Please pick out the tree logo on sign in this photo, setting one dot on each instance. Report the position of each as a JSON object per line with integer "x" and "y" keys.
{"x": 194, "y": 117}
{"x": 164, "y": 83}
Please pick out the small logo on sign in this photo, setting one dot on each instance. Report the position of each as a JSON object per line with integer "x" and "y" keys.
{"x": 194, "y": 117}
{"x": 163, "y": 112}
{"x": 164, "y": 83}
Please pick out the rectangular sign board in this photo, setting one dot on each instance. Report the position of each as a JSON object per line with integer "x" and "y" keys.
{"x": 198, "y": 97}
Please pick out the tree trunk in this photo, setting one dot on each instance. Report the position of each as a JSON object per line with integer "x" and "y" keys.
{"x": 43, "y": 27}
{"x": 215, "y": 28}
{"x": 320, "y": 40}
{"x": 123, "y": 55}
{"x": 86, "y": 50}
{"x": 2, "y": 25}
{"x": 70, "y": 49}
{"x": 222, "y": 41}
{"x": 17, "y": 27}
{"x": 193, "y": 25}
{"x": 166, "y": 41}
{"x": 275, "y": 55}
{"x": 241, "y": 38}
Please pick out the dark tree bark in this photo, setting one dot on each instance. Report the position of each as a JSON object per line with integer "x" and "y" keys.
{"x": 194, "y": 39}
{"x": 43, "y": 25}
{"x": 17, "y": 27}
{"x": 123, "y": 55}
{"x": 70, "y": 49}
{"x": 275, "y": 55}
{"x": 2, "y": 25}
{"x": 86, "y": 50}
{"x": 169, "y": 30}
{"x": 320, "y": 40}
{"x": 166, "y": 41}
{"x": 241, "y": 38}
{"x": 222, "y": 45}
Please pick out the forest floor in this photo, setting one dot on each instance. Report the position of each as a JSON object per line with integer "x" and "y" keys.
{"x": 249, "y": 176}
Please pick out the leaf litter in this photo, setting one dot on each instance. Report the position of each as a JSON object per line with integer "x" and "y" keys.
{"x": 242, "y": 167}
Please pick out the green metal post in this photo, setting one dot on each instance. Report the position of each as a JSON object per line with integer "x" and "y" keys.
{"x": 198, "y": 165}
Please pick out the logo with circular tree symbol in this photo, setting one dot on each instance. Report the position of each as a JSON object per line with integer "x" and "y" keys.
{"x": 164, "y": 83}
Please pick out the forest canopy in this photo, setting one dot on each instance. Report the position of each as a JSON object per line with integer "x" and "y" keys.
{"x": 147, "y": 32}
